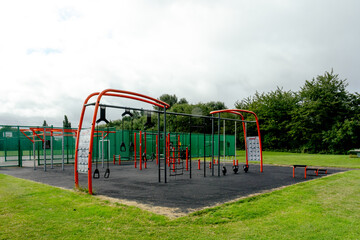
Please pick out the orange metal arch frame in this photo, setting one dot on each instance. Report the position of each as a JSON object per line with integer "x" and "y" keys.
{"x": 112, "y": 93}
{"x": 238, "y": 112}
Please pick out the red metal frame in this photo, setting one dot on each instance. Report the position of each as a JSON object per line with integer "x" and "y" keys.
{"x": 238, "y": 112}
{"x": 112, "y": 93}
{"x": 47, "y": 129}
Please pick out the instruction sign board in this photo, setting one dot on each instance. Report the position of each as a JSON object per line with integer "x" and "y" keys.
{"x": 83, "y": 151}
{"x": 253, "y": 148}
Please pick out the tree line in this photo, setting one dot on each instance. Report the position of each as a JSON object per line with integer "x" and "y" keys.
{"x": 322, "y": 117}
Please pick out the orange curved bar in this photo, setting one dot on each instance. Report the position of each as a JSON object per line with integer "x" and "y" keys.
{"x": 78, "y": 137}
{"x": 235, "y": 111}
{"x": 113, "y": 93}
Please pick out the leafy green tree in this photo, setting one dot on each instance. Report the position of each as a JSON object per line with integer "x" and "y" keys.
{"x": 182, "y": 101}
{"x": 323, "y": 103}
{"x": 274, "y": 111}
{"x": 66, "y": 123}
{"x": 169, "y": 99}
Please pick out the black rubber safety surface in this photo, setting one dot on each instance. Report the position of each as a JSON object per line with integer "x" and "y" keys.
{"x": 143, "y": 186}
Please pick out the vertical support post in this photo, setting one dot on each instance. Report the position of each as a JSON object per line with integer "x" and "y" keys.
{"x": 187, "y": 159}
{"x": 38, "y": 154}
{"x": 224, "y": 141}
{"x": 246, "y": 148}
{"x": 44, "y": 142}
{"x": 62, "y": 149}
{"x": 179, "y": 145}
{"x": 205, "y": 151}
{"x": 174, "y": 161}
{"x": 145, "y": 144}
{"x": 5, "y": 140}
{"x": 52, "y": 150}
{"x": 102, "y": 149}
{"x": 235, "y": 140}
{"x": 140, "y": 150}
{"x": 219, "y": 144}
{"x": 165, "y": 176}
{"x": 19, "y": 149}
{"x": 168, "y": 149}
{"x": 158, "y": 149}
{"x": 34, "y": 152}
{"x": 135, "y": 149}
{"x": 293, "y": 171}
{"x": 190, "y": 158}
{"x": 212, "y": 143}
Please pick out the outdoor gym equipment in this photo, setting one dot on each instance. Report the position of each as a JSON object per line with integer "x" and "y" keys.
{"x": 84, "y": 148}
{"x": 131, "y": 145}
{"x": 224, "y": 170}
{"x": 122, "y": 145}
{"x": 306, "y": 169}
{"x": 102, "y": 118}
{"x": 258, "y": 138}
{"x": 40, "y": 134}
{"x": 235, "y": 168}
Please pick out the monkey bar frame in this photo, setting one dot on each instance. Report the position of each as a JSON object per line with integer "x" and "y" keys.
{"x": 238, "y": 112}
{"x": 111, "y": 93}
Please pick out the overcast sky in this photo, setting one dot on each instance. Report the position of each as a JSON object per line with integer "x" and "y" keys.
{"x": 53, "y": 54}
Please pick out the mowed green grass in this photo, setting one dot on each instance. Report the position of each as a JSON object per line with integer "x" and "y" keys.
{"x": 319, "y": 160}
{"x": 325, "y": 208}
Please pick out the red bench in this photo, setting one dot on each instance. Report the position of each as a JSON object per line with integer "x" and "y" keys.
{"x": 316, "y": 170}
{"x": 295, "y": 166}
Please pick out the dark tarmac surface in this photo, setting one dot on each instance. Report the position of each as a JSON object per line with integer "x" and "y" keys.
{"x": 179, "y": 192}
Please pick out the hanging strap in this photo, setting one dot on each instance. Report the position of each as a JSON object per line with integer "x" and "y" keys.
{"x": 96, "y": 173}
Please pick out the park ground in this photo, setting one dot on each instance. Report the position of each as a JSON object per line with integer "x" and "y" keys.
{"x": 323, "y": 208}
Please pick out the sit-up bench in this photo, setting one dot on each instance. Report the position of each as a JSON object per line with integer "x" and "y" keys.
{"x": 295, "y": 166}
{"x": 316, "y": 170}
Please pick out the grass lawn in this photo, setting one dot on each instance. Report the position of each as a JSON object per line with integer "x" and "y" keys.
{"x": 325, "y": 208}
{"x": 319, "y": 160}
